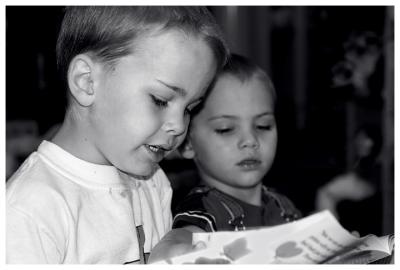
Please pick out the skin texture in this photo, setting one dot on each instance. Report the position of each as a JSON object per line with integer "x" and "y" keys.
{"x": 178, "y": 242}
{"x": 174, "y": 243}
{"x": 233, "y": 139}
{"x": 119, "y": 116}
{"x": 236, "y": 123}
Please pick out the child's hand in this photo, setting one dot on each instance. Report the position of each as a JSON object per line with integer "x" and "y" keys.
{"x": 176, "y": 242}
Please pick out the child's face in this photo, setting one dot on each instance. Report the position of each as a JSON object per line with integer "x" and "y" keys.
{"x": 234, "y": 137}
{"x": 141, "y": 106}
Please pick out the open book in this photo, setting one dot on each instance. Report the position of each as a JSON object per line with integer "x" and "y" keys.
{"x": 318, "y": 238}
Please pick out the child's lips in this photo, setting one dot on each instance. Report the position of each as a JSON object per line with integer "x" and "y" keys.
{"x": 157, "y": 152}
{"x": 249, "y": 164}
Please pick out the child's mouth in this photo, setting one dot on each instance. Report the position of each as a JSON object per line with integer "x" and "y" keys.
{"x": 249, "y": 164}
{"x": 156, "y": 152}
{"x": 155, "y": 149}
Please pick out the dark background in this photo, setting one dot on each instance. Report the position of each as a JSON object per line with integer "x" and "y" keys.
{"x": 303, "y": 49}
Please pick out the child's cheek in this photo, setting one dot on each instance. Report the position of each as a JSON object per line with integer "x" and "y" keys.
{"x": 179, "y": 141}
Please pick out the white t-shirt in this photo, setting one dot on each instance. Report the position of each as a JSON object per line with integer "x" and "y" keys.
{"x": 61, "y": 209}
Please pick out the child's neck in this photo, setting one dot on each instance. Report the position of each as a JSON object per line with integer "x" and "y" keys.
{"x": 248, "y": 195}
{"x": 72, "y": 138}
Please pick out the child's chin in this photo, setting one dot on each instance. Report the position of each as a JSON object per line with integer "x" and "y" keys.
{"x": 250, "y": 182}
{"x": 251, "y": 176}
{"x": 145, "y": 173}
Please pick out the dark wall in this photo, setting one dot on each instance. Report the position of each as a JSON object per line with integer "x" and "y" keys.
{"x": 33, "y": 90}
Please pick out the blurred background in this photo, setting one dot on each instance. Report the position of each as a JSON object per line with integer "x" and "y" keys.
{"x": 333, "y": 69}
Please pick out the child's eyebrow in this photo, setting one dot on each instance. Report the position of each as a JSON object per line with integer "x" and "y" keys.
{"x": 212, "y": 118}
{"x": 265, "y": 114}
{"x": 176, "y": 89}
{"x": 227, "y": 116}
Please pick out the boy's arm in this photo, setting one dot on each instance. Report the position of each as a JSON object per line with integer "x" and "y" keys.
{"x": 176, "y": 242}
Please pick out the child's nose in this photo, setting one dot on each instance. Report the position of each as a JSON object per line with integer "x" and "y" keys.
{"x": 175, "y": 125}
{"x": 249, "y": 140}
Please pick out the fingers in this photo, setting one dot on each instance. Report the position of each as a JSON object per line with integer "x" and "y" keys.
{"x": 199, "y": 245}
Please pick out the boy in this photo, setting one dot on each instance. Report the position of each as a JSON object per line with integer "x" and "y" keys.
{"x": 95, "y": 193}
{"x": 233, "y": 140}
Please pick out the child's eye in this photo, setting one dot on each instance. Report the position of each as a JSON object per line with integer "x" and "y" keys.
{"x": 223, "y": 130}
{"x": 264, "y": 127}
{"x": 159, "y": 102}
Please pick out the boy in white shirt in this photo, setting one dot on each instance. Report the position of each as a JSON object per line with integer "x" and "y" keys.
{"x": 95, "y": 192}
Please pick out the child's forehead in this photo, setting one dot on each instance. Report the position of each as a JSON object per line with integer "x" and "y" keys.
{"x": 231, "y": 86}
{"x": 228, "y": 78}
{"x": 232, "y": 94}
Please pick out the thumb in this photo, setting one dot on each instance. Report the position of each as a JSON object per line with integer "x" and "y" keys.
{"x": 200, "y": 245}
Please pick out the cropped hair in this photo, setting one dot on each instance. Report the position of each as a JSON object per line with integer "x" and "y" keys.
{"x": 107, "y": 32}
{"x": 243, "y": 69}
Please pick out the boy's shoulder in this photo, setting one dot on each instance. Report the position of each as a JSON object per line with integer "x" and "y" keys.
{"x": 211, "y": 200}
{"x": 30, "y": 182}
{"x": 194, "y": 200}
{"x": 202, "y": 193}
{"x": 33, "y": 194}
{"x": 212, "y": 209}
{"x": 25, "y": 176}
{"x": 198, "y": 208}
{"x": 288, "y": 210}
{"x": 41, "y": 179}
{"x": 207, "y": 203}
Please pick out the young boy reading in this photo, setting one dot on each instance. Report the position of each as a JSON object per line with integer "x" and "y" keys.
{"x": 94, "y": 193}
{"x": 233, "y": 139}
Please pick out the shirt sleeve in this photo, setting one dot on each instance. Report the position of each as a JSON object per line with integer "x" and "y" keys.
{"x": 26, "y": 242}
{"x": 193, "y": 212}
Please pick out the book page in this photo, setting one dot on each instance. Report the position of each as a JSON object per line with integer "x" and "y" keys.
{"x": 370, "y": 249}
{"x": 314, "y": 239}
{"x": 308, "y": 245}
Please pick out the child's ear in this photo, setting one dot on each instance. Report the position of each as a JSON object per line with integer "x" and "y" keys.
{"x": 186, "y": 149}
{"x": 80, "y": 79}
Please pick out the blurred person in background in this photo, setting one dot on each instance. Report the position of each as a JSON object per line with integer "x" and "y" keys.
{"x": 356, "y": 192}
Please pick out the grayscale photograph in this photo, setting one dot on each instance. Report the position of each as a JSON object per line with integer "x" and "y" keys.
{"x": 199, "y": 134}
